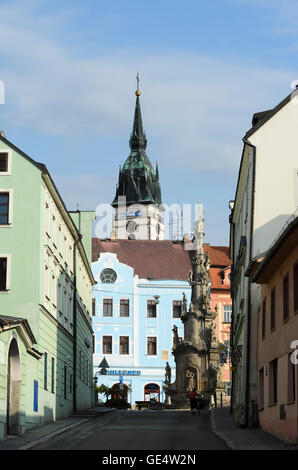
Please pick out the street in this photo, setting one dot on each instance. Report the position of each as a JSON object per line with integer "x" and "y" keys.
{"x": 140, "y": 430}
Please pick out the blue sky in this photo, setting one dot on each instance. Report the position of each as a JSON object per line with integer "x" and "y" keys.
{"x": 69, "y": 70}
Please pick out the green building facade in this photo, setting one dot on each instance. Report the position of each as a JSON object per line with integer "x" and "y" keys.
{"x": 46, "y": 283}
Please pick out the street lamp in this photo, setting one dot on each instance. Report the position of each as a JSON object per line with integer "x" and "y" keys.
{"x": 103, "y": 371}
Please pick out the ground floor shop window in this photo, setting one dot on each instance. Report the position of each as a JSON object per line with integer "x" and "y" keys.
{"x": 151, "y": 392}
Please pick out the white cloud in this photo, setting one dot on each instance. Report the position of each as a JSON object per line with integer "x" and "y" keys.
{"x": 195, "y": 109}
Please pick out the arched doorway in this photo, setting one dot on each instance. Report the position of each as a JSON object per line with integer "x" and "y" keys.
{"x": 118, "y": 392}
{"x": 13, "y": 388}
{"x": 151, "y": 392}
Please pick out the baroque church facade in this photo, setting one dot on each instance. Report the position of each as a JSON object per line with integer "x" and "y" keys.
{"x": 141, "y": 281}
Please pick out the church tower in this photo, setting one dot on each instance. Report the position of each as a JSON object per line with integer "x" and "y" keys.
{"x": 137, "y": 201}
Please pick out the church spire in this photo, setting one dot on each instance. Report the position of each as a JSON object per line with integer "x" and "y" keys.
{"x": 138, "y": 181}
{"x": 138, "y": 138}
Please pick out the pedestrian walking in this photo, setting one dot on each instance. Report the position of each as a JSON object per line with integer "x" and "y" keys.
{"x": 193, "y": 398}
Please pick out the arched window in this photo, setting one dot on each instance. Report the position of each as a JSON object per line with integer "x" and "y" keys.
{"x": 152, "y": 392}
{"x": 108, "y": 276}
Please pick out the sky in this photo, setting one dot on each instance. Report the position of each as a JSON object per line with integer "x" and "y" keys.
{"x": 69, "y": 70}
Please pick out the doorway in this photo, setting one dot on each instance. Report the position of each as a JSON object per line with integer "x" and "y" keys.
{"x": 13, "y": 388}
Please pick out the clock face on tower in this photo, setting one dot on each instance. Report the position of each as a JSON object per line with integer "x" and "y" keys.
{"x": 131, "y": 226}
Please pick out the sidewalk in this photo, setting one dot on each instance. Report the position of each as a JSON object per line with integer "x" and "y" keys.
{"x": 223, "y": 425}
{"x": 45, "y": 432}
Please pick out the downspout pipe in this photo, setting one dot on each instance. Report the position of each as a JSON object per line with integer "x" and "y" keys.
{"x": 75, "y": 323}
{"x": 233, "y": 316}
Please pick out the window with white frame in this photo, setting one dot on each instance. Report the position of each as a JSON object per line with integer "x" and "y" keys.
{"x": 227, "y": 313}
{"x": 4, "y": 273}
{"x": 151, "y": 345}
{"x": 123, "y": 345}
{"x": 5, "y": 162}
{"x": 6, "y": 206}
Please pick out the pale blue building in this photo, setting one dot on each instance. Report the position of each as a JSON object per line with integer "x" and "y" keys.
{"x": 137, "y": 301}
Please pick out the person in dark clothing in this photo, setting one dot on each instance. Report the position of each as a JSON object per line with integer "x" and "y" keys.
{"x": 193, "y": 398}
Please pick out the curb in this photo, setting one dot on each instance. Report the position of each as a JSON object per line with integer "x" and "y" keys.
{"x": 61, "y": 430}
{"x": 53, "y": 434}
{"x": 213, "y": 425}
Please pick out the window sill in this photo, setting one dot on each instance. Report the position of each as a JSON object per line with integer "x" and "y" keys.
{"x": 291, "y": 402}
{"x": 5, "y": 225}
{"x": 272, "y": 404}
{"x": 6, "y": 291}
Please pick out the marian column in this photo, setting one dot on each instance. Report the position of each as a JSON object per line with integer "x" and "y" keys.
{"x": 197, "y": 355}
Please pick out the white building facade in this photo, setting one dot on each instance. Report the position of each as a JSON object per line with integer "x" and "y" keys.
{"x": 266, "y": 197}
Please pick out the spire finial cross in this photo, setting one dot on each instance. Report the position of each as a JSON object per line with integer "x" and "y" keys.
{"x": 138, "y": 80}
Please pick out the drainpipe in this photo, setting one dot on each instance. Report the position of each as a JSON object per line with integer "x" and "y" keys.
{"x": 75, "y": 323}
{"x": 233, "y": 316}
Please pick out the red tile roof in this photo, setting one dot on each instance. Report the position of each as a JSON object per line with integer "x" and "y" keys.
{"x": 162, "y": 259}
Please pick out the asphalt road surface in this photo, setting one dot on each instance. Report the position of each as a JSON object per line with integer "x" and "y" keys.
{"x": 140, "y": 430}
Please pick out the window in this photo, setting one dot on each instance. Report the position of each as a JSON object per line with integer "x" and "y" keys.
{"x": 80, "y": 364}
{"x": 264, "y": 319}
{"x": 272, "y": 309}
{"x": 4, "y": 208}
{"x": 177, "y": 308}
{"x": 124, "y": 345}
{"x": 93, "y": 307}
{"x": 291, "y": 381}
{"x": 151, "y": 346}
{"x": 151, "y": 308}
{"x": 295, "y": 282}
{"x": 65, "y": 382}
{"x": 45, "y": 371}
{"x": 53, "y": 376}
{"x": 124, "y": 308}
{"x": 261, "y": 389}
{"x": 3, "y": 162}
{"x": 107, "y": 307}
{"x": 273, "y": 382}
{"x": 107, "y": 344}
{"x": 286, "y": 297}
{"x": 3, "y": 274}
{"x": 227, "y": 313}
{"x": 108, "y": 276}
